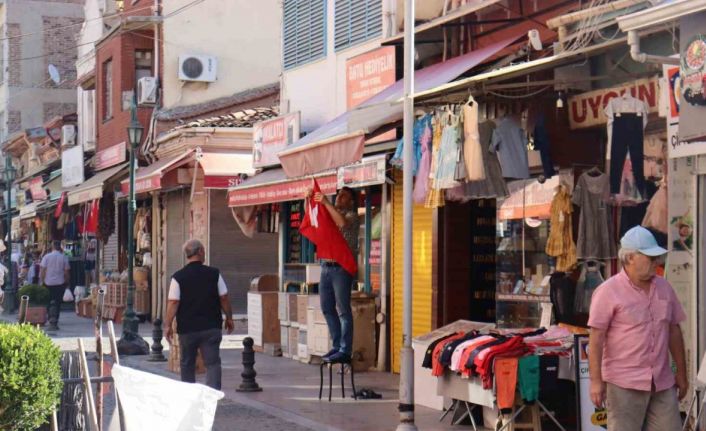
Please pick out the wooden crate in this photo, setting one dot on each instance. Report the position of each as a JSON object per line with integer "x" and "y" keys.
{"x": 364, "y": 345}
{"x": 302, "y": 306}
{"x": 142, "y": 301}
{"x": 263, "y": 324}
{"x": 293, "y": 342}
{"x": 174, "y": 360}
{"x": 292, "y": 307}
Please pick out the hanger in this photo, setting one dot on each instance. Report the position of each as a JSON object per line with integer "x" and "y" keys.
{"x": 470, "y": 100}
{"x": 594, "y": 171}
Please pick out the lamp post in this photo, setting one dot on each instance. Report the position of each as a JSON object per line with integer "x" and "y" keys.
{"x": 10, "y": 302}
{"x": 130, "y": 342}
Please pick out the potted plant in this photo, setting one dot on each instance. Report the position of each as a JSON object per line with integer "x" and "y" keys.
{"x": 30, "y": 377}
{"x": 38, "y": 301}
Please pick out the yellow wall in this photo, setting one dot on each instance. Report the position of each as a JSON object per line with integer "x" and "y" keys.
{"x": 421, "y": 271}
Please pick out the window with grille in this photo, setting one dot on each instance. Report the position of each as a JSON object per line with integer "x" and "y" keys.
{"x": 304, "y": 31}
{"x": 108, "y": 90}
{"x": 357, "y": 21}
{"x": 143, "y": 65}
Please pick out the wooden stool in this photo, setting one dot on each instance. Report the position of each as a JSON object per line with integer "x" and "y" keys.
{"x": 534, "y": 424}
{"x": 330, "y": 378}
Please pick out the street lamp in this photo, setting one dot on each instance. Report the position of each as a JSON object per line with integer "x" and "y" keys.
{"x": 10, "y": 303}
{"x": 130, "y": 342}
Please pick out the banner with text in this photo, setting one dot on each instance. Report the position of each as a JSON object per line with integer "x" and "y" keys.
{"x": 272, "y": 136}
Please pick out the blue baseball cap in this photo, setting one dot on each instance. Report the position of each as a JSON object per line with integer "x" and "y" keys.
{"x": 640, "y": 239}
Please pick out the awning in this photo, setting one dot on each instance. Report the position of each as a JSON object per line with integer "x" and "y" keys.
{"x": 29, "y": 210}
{"x": 663, "y": 13}
{"x": 340, "y": 142}
{"x": 532, "y": 199}
{"x": 224, "y": 170}
{"x": 274, "y": 186}
{"x": 149, "y": 178}
{"x": 93, "y": 187}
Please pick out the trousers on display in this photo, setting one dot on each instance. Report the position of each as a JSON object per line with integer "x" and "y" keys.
{"x": 627, "y": 135}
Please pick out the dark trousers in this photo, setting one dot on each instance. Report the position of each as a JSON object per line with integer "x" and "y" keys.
{"x": 335, "y": 297}
{"x": 209, "y": 342}
{"x": 56, "y": 297}
{"x": 627, "y": 135}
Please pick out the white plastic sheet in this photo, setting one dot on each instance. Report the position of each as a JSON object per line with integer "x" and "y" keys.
{"x": 151, "y": 402}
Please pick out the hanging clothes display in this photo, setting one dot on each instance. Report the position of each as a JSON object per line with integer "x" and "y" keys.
{"x": 655, "y": 155}
{"x": 591, "y": 194}
{"x": 589, "y": 280}
{"x": 541, "y": 144}
{"x": 435, "y": 196}
{"x": 421, "y": 182}
{"x": 472, "y": 151}
{"x": 493, "y": 185}
{"x": 629, "y": 194}
{"x": 561, "y": 238}
{"x": 509, "y": 141}
{"x": 419, "y": 126}
{"x": 627, "y": 119}
{"x": 448, "y": 152}
{"x": 657, "y": 216}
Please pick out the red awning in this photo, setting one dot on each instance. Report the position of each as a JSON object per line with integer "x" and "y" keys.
{"x": 149, "y": 178}
{"x": 224, "y": 170}
{"x": 274, "y": 186}
{"x": 335, "y": 144}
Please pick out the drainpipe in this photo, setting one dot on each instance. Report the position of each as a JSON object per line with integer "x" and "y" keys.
{"x": 641, "y": 57}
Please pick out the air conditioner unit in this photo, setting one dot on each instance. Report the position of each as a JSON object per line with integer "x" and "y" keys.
{"x": 147, "y": 90}
{"x": 68, "y": 135}
{"x": 200, "y": 68}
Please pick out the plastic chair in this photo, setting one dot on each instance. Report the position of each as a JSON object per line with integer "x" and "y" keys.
{"x": 699, "y": 386}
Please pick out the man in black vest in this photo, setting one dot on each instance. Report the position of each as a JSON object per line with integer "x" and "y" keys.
{"x": 197, "y": 294}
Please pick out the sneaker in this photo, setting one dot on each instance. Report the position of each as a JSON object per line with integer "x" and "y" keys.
{"x": 339, "y": 358}
{"x": 330, "y": 353}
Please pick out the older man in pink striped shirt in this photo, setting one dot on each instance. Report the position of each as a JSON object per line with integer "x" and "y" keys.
{"x": 634, "y": 320}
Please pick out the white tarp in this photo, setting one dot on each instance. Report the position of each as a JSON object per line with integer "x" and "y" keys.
{"x": 152, "y": 402}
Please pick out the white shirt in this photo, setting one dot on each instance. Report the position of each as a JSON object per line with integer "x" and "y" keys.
{"x": 619, "y": 105}
{"x": 55, "y": 264}
{"x": 175, "y": 290}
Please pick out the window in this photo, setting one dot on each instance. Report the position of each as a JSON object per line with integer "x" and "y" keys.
{"x": 108, "y": 90}
{"x": 357, "y": 21}
{"x": 143, "y": 64}
{"x": 304, "y": 31}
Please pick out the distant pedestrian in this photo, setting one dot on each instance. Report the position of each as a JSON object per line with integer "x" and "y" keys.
{"x": 197, "y": 295}
{"x": 634, "y": 320}
{"x": 55, "y": 273}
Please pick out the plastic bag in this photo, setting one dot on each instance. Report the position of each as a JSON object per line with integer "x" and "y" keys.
{"x": 68, "y": 296}
{"x": 154, "y": 402}
{"x": 79, "y": 292}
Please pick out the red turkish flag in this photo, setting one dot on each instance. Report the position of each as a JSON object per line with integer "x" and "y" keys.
{"x": 319, "y": 228}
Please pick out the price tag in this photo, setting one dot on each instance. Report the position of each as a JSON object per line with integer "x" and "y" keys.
{"x": 546, "y": 318}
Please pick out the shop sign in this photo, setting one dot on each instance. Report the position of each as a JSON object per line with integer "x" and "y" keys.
{"x": 72, "y": 173}
{"x": 368, "y": 172}
{"x": 677, "y": 147}
{"x": 692, "y": 71}
{"x": 532, "y": 199}
{"x": 590, "y": 417}
{"x": 279, "y": 192}
{"x": 221, "y": 181}
{"x": 368, "y": 74}
{"x": 36, "y": 189}
{"x": 49, "y": 155}
{"x": 586, "y": 109}
{"x": 111, "y": 156}
{"x": 375, "y": 252}
{"x": 142, "y": 185}
{"x": 272, "y": 136}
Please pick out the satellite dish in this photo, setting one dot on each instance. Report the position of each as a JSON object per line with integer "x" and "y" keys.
{"x": 54, "y": 74}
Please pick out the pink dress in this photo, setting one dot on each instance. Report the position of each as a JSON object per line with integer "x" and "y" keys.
{"x": 421, "y": 182}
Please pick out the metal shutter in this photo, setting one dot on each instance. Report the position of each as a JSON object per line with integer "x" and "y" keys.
{"x": 357, "y": 21}
{"x": 239, "y": 258}
{"x": 304, "y": 31}
{"x": 109, "y": 257}
{"x": 177, "y": 222}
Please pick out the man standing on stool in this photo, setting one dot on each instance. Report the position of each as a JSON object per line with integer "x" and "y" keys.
{"x": 54, "y": 271}
{"x": 197, "y": 294}
{"x": 336, "y": 283}
{"x": 634, "y": 320}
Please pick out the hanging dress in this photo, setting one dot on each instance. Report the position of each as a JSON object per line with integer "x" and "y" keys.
{"x": 421, "y": 182}
{"x": 560, "y": 243}
{"x": 472, "y": 151}
{"x": 435, "y": 196}
{"x": 448, "y": 153}
{"x": 656, "y": 216}
{"x": 595, "y": 241}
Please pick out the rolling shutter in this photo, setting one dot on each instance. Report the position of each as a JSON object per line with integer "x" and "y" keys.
{"x": 421, "y": 271}
{"x": 239, "y": 258}
{"x": 304, "y": 31}
{"x": 357, "y": 21}
{"x": 177, "y": 222}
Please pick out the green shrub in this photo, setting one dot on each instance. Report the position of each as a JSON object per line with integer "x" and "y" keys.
{"x": 30, "y": 377}
{"x": 38, "y": 295}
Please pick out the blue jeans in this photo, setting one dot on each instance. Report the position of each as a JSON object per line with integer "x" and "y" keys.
{"x": 335, "y": 292}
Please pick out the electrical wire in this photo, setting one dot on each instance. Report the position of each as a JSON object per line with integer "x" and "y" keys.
{"x": 519, "y": 96}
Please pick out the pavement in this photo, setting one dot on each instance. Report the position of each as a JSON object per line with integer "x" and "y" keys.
{"x": 289, "y": 399}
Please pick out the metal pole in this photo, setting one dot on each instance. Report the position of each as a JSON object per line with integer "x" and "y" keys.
{"x": 406, "y": 406}
{"x": 368, "y": 236}
{"x": 10, "y": 303}
{"x": 98, "y": 327}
